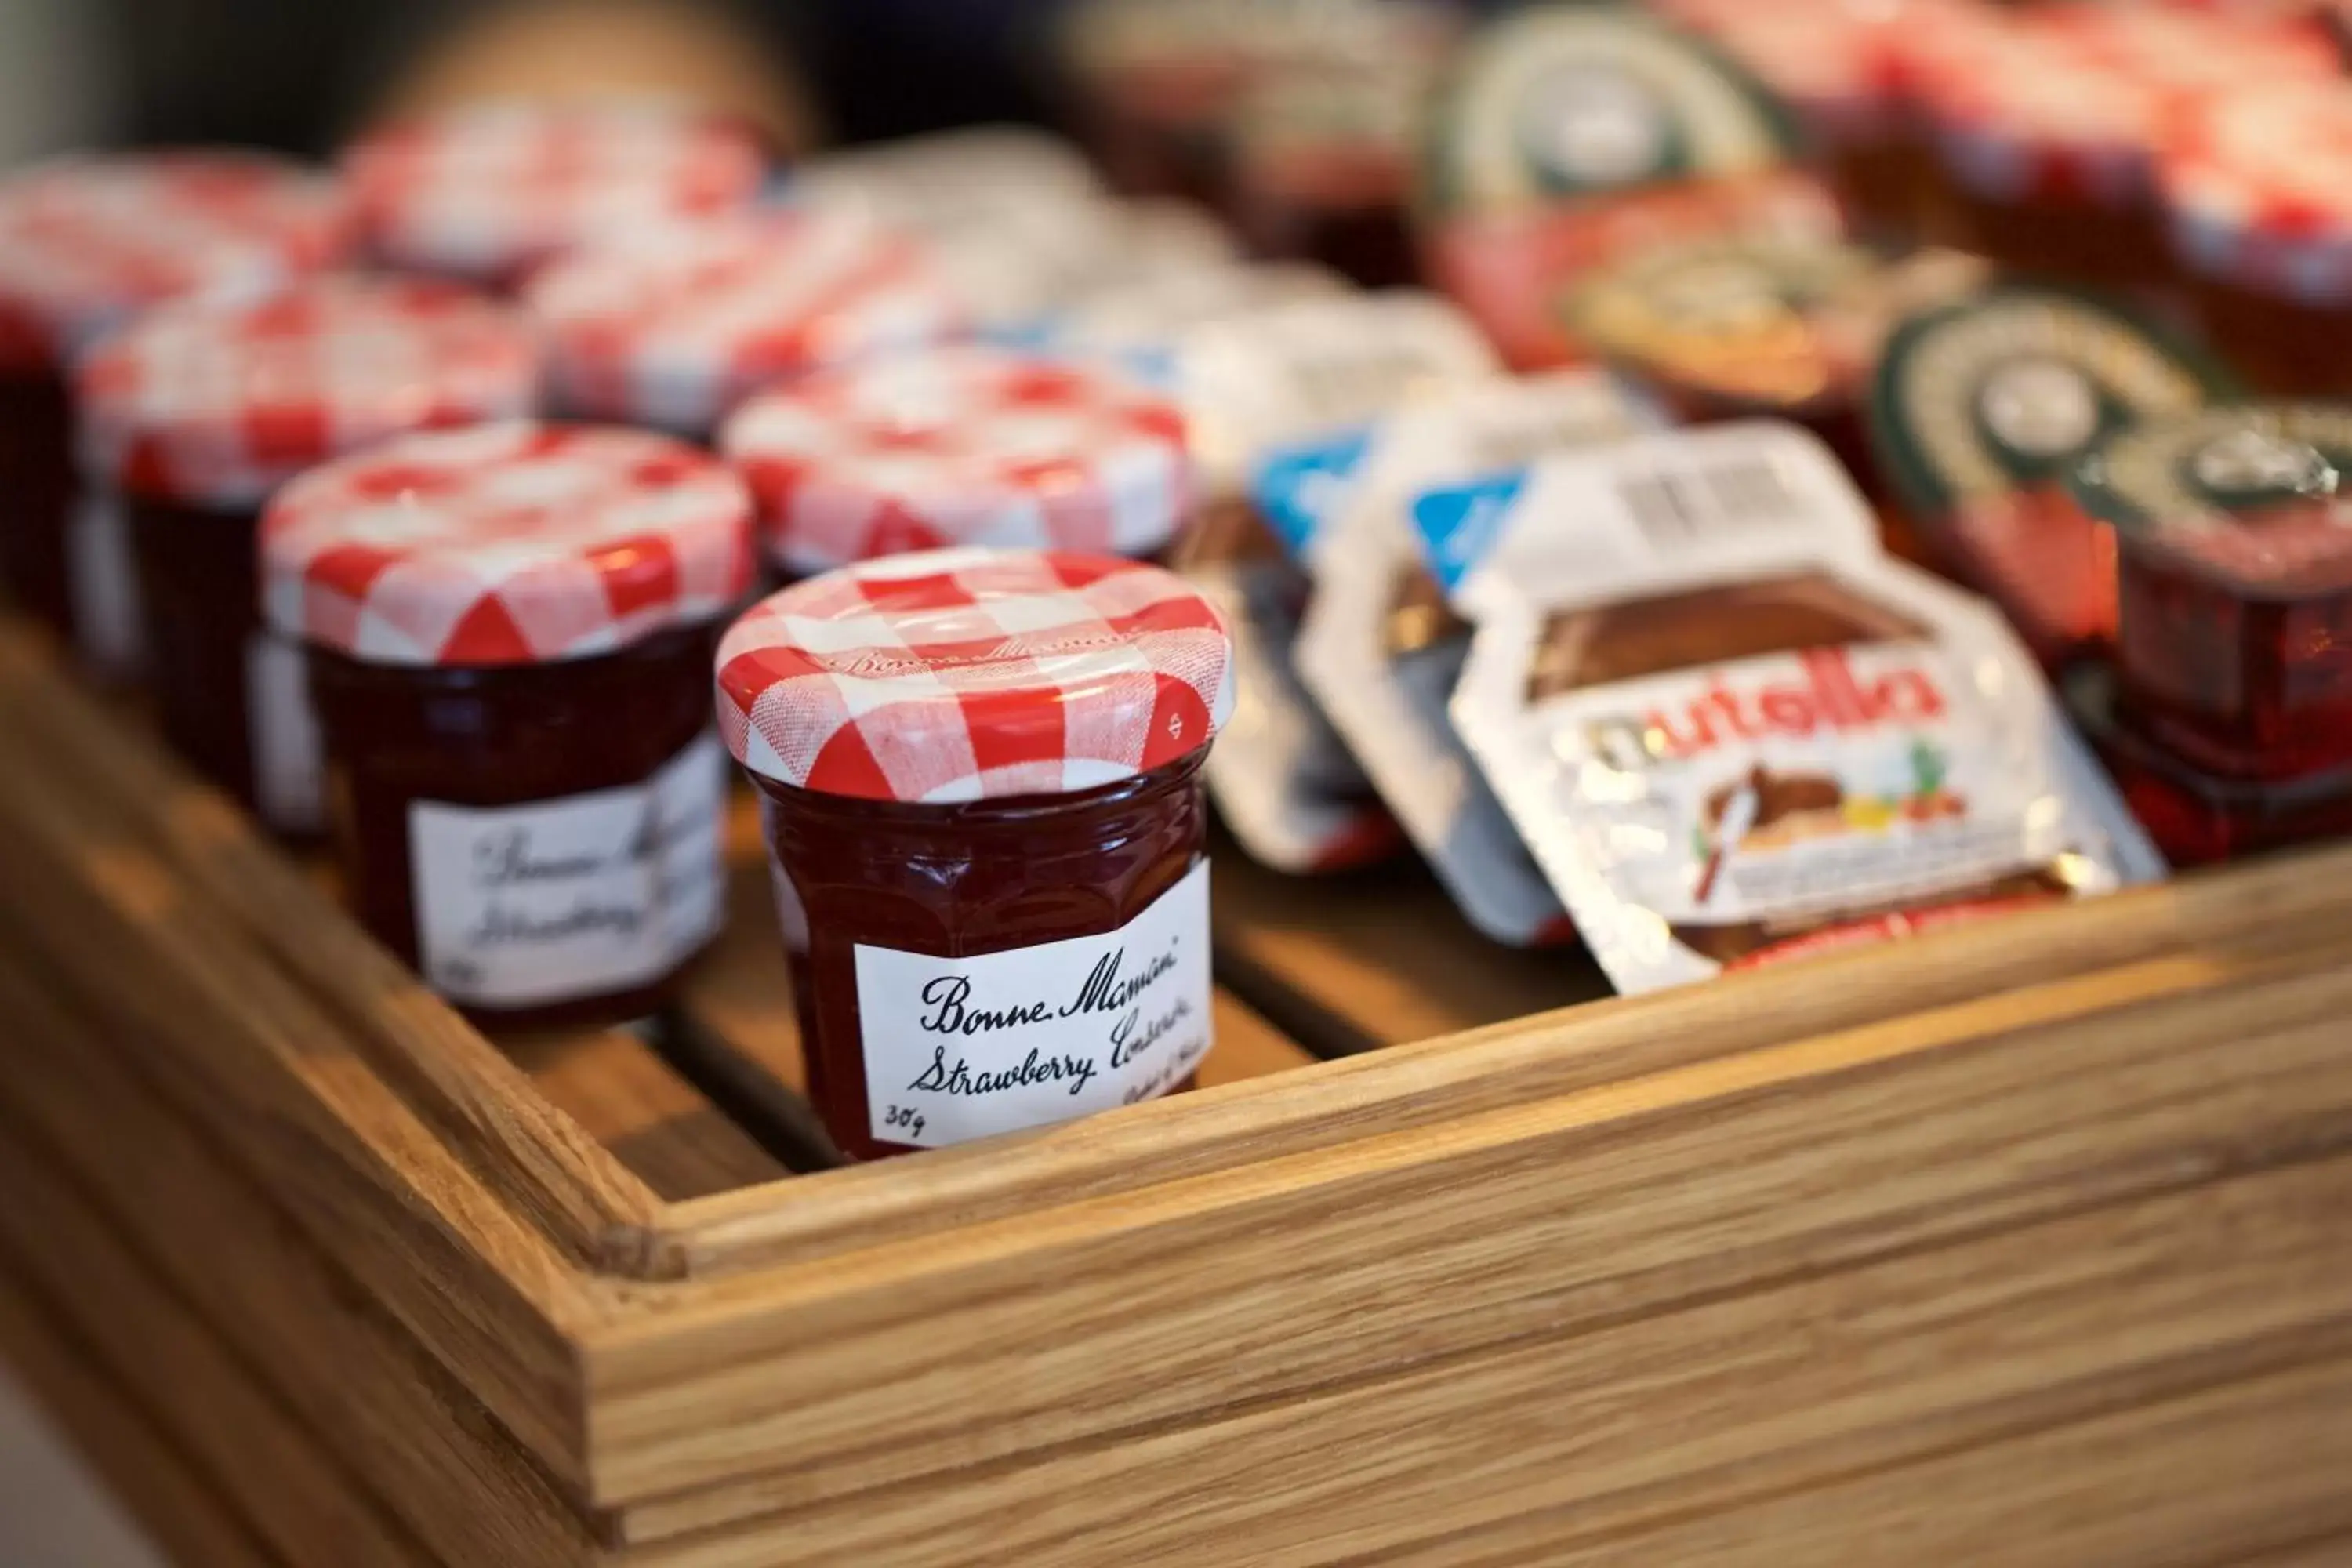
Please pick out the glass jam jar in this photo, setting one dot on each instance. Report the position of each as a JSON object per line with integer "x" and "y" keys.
{"x": 508, "y": 634}
{"x": 1322, "y": 167}
{"x": 1979, "y": 411}
{"x": 675, "y": 325}
{"x": 961, "y": 444}
{"x": 2235, "y": 577}
{"x": 1833, "y": 63}
{"x": 2039, "y": 147}
{"x": 1785, "y": 328}
{"x": 2195, "y": 818}
{"x": 486, "y": 193}
{"x": 85, "y": 244}
{"x": 198, "y": 411}
{"x": 2258, "y": 197}
{"x": 979, "y": 772}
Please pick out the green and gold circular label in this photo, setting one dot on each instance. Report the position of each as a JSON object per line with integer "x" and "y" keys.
{"x": 1565, "y": 101}
{"x": 2007, "y": 391}
{"x": 1775, "y": 321}
{"x": 2258, "y": 493}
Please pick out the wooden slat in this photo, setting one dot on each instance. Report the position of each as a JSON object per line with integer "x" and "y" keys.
{"x": 237, "y": 1046}
{"x": 122, "y": 784}
{"x": 1377, "y": 957}
{"x": 318, "y": 1339}
{"x": 625, "y": 1096}
{"x": 282, "y": 1482}
{"x": 1640, "y": 1196}
{"x": 2214, "y": 1480}
{"x": 174, "y": 1502}
{"x": 2214, "y": 925}
{"x": 1634, "y": 1423}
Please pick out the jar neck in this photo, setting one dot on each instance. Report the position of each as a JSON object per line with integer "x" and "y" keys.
{"x": 813, "y": 811}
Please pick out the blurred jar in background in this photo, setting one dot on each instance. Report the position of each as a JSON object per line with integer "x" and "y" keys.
{"x": 200, "y": 411}
{"x": 486, "y": 193}
{"x": 2257, "y": 190}
{"x": 676, "y": 324}
{"x": 86, "y": 244}
{"x": 1832, "y": 62}
{"x": 1322, "y": 167}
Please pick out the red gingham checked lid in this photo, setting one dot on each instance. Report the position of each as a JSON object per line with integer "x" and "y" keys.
{"x": 960, "y": 675}
{"x": 2271, "y": 163}
{"x": 962, "y": 445}
{"x": 217, "y": 404}
{"x": 86, "y": 242}
{"x": 510, "y": 543}
{"x": 673, "y": 326}
{"x": 484, "y": 192}
{"x": 2028, "y": 103}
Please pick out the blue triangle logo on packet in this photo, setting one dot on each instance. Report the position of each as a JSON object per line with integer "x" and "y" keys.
{"x": 1300, "y": 490}
{"x": 1459, "y": 525}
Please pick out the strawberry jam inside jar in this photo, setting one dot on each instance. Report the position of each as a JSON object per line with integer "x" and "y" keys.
{"x": 2235, "y": 534}
{"x": 961, "y": 444}
{"x": 979, "y": 776}
{"x": 508, "y": 632}
{"x": 1979, "y": 412}
{"x": 86, "y": 242}
{"x": 198, "y": 411}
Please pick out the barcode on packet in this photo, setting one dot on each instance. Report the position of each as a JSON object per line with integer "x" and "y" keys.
{"x": 1695, "y": 503}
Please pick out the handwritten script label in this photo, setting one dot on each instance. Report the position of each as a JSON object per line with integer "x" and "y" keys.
{"x": 589, "y": 894}
{"x": 958, "y": 1048}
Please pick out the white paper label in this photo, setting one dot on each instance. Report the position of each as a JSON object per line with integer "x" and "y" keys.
{"x": 592, "y": 893}
{"x": 105, "y": 587}
{"x": 958, "y": 1048}
{"x": 284, "y": 734}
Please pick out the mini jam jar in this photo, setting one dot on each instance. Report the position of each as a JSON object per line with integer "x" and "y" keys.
{"x": 508, "y": 632}
{"x": 676, "y": 324}
{"x": 1782, "y": 328}
{"x": 2235, "y": 579}
{"x": 1832, "y": 62}
{"x": 198, "y": 411}
{"x": 1979, "y": 411}
{"x": 1322, "y": 168}
{"x": 980, "y": 774}
{"x": 2040, "y": 149}
{"x": 2257, "y": 190}
{"x": 2196, "y": 818}
{"x": 86, "y": 242}
{"x": 485, "y": 193}
{"x": 962, "y": 445}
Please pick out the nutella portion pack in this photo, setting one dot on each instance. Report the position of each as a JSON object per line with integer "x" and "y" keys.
{"x": 1732, "y": 732}
{"x": 1282, "y": 781}
{"x": 1381, "y": 651}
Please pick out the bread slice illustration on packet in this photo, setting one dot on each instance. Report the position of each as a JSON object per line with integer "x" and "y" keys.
{"x": 1732, "y": 732}
{"x": 1379, "y": 648}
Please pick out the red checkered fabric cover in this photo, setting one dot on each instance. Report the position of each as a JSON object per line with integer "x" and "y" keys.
{"x": 673, "y": 325}
{"x": 2257, "y": 185}
{"x": 510, "y": 543}
{"x": 217, "y": 404}
{"x": 960, "y": 675}
{"x": 963, "y": 445}
{"x": 486, "y": 192}
{"x": 86, "y": 242}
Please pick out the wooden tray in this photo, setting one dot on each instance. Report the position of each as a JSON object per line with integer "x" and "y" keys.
{"x": 1816, "y": 1260}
